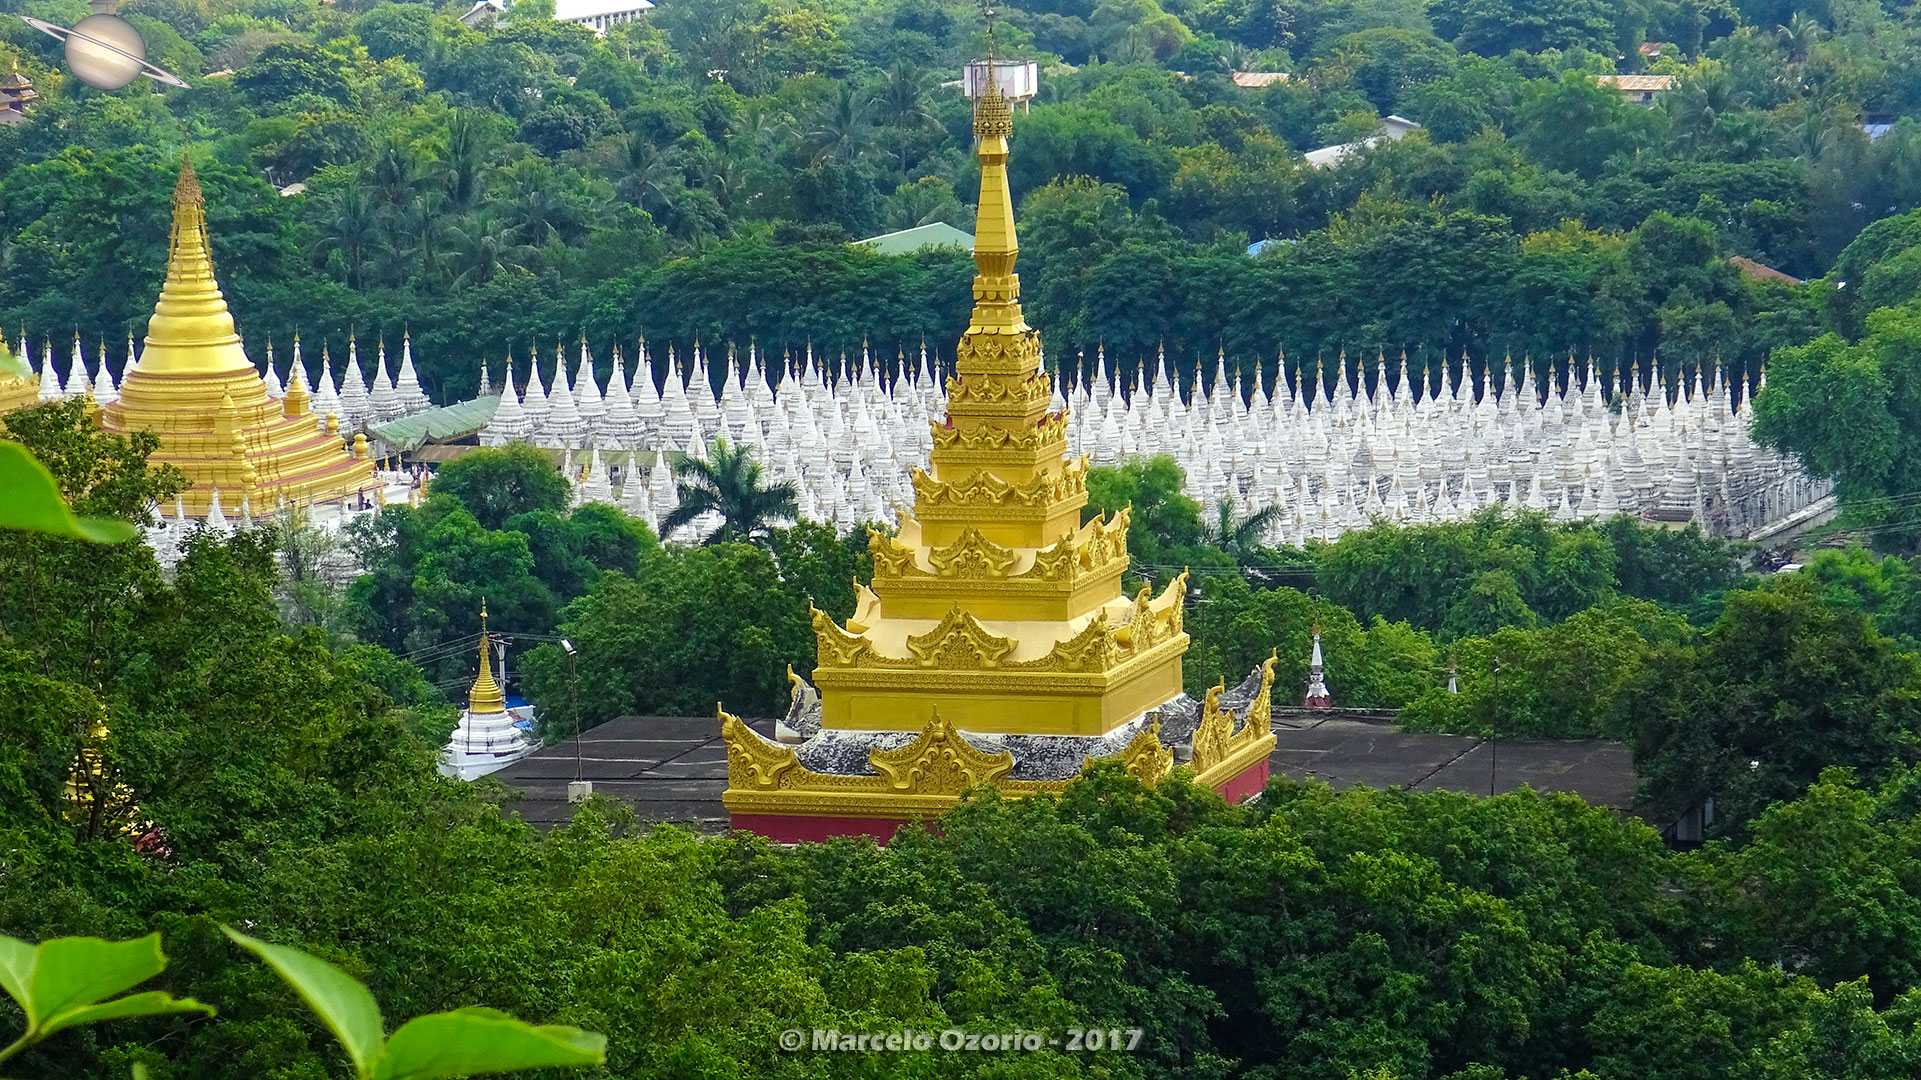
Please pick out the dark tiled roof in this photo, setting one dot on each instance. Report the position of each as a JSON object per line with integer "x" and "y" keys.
{"x": 674, "y": 768}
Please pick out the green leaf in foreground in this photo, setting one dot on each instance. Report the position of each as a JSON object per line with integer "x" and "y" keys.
{"x": 470, "y": 1041}
{"x": 341, "y": 1002}
{"x": 30, "y": 500}
{"x": 465, "y": 1042}
{"x": 65, "y": 982}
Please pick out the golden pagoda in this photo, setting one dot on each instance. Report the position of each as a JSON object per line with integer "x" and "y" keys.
{"x": 995, "y": 644}
{"x": 16, "y": 391}
{"x": 194, "y": 387}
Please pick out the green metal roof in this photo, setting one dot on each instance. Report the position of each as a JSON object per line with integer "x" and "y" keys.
{"x": 437, "y": 425}
{"x": 919, "y": 238}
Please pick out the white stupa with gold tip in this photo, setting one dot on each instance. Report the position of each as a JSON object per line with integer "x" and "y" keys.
{"x": 486, "y": 740}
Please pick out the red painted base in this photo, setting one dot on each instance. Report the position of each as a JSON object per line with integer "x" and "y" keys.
{"x": 796, "y": 829}
{"x": 1248, "y": 783}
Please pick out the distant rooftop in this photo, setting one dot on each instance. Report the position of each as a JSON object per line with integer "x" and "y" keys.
{"x": 674, "y": 768}
{"x": 1254, "y": 80}
{"x": 1632, "y": 83}
{"x": 582, "y": 10}
{"x": 437, "y": 425}
{"x": 1755, "y": 271}
{"x": 919, "y": 238}
{"x": 1393, "y": 128}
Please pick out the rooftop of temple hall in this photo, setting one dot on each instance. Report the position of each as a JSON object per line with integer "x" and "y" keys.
{"x": 674, "y": 768}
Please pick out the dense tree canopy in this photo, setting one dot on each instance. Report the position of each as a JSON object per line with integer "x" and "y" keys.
{"x": 688, "y": 176}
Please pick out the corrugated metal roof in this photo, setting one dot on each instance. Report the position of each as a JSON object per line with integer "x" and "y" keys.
{"x": 907, "y": 241}
{"x": 1637, "y": 82}
{"x": 437, "y": 425}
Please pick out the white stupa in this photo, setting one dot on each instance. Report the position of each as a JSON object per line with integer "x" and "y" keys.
{"x": 486, "y": 739}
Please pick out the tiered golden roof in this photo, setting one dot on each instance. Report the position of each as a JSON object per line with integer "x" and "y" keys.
{"x": 993, "y": 601}
{"x": 195, "y": 388}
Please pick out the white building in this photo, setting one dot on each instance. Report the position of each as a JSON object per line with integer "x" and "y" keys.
{"x": 1393, "y": 129}
{"x": 488, "y": 738}
{"x": 600, "y": 15}
{"x": 596, "y": 15}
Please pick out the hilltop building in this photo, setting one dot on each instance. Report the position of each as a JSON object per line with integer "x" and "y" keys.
{"x": 1638, "y": 89}
{"x": 1392, "y": 129}
{"x": 995, "y": 645}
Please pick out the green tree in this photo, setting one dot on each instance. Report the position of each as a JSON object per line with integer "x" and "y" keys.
{"x": 727, "y": 483}
{"x": 648, "y": 642}
{"x": 1780, "y": 687}
{"x": 1161, "y": 519}
{"x": 1849, "y": 412}
{"x": 497, "y": 484}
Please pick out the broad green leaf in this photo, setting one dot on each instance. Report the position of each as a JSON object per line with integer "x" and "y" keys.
{"x": 151, "y": 1003}
{"x": 339, "y": 999}
{"x": 469, "y": 1042}
{"x": 72, "y": 972}
{"x": 16, "y": 968}
{"x": 30, "y": 500}
{"x": 12, "y": 365}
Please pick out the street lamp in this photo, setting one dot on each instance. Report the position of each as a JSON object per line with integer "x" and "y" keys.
{"x": 579, "y": 789}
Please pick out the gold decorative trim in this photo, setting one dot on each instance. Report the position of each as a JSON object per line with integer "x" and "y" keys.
{"x": 924, "y": 778}
{"x": 939, "y": 762}
{"x": 960, "y": 642}
{"x": 983, "y": 489}
{"x": 972, "y": 556}
{"x": 1220, "y": 752}
{"x": 1096, "y": 549}
{"x": 1145, "y": 759}
{"x": 1051, "y": 431}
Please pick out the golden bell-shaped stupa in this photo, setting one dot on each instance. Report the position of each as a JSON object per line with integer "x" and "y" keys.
{"x": 194, "y": 387}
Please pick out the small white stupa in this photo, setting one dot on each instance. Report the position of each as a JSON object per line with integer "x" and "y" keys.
{"x": 486, "y": 739}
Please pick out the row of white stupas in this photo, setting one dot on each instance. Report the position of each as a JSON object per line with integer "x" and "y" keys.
{"x": 1329, "y": 460}
{"x": 348, "y": 397}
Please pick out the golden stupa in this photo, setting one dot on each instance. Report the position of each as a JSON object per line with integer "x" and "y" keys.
{"x": 17, "y": 391}
{"x": 194, "y": 387}
{"x": 995, "y": 643}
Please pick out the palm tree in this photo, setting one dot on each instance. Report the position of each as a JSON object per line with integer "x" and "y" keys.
{"x": 647, "y": 177}
{"x": 728, "y": 482}
{"x": 484, "y": 247}
{"x": 1239, "y": 536}
{"x": 1799, "y": 35}
{"x": 353, "y": 229}
{"x": 903, "y": 100}
{"x": 463, "y": 160}
{"x": 845, "y": 131}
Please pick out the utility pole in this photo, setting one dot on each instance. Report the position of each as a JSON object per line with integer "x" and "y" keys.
{"x": 1494, "y": 727}
{"x": 580, "y": 788}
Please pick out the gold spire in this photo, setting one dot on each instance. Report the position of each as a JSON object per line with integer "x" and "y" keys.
{"x": 191, "y": 332}
{"x": 996, "y": 289}
{"x": 485, "y": 697}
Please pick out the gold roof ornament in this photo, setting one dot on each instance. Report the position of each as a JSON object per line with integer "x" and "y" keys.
{"x": 485, "y": 697}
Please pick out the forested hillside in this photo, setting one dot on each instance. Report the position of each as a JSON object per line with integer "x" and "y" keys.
{"x": 692, "y": 175}
{"x": 1362, "y": 935}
